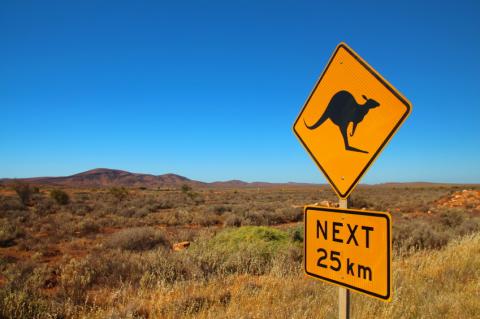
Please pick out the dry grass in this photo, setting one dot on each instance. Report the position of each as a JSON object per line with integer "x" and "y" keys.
{"x": 105, "y": 254}
{"x": 428, "y": 284}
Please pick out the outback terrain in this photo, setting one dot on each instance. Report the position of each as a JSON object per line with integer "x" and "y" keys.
{"x": 113, "y": 244}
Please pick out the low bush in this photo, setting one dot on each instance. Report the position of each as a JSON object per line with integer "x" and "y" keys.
{"x": 137, "y": 239}
{"x": 220, "y": 209}
{"x": 262, "y": 215}
{"x": 10, "y": 203}
{"x": 188, "y": 305}
{"x": 452, "y": 217}
{"x": 127, "y": 212}
{"x": 80, "y": 208}
{"x": 469, "y": 226}
{"x": 254, "y": 218}
{"x": 11, "y": 207}
{"x": 288, "y": 261}
{"x": 359, "y": 202}
{"x": 87, "y": 227}
{"x": 427, "y": 238}
{"x": 27, "y": 304}
{"x": 137, "y": 261}
{"x": 205, "y": 219}
{"x": 249, "y": 249}
{"x": 24, "y": 192}
{"x": 297, "y": 233}
{"x": 164, "y": 204}
{"x": 45, "y": 206}
{"x": 60, "y": 197}
{"x": 114, "y": 268}
{"x": 119, "y": 193}
{"x": 8, "y": 233}
{"x": 232, "y": 220}
{"x": 270, "y": 238}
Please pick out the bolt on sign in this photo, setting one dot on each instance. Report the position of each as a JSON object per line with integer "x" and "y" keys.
{"x": 350, "y": 248}
{"x": 349, "y": 117}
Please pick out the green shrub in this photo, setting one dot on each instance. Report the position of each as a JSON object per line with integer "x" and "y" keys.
{"x": 60, "y": 196}
{"x": 268, "y": 237}
{"x": 296, "y": 233}
{"x": 248, "y": 249}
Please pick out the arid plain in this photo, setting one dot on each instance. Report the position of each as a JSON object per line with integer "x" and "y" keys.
{"x": 107, "y": 246}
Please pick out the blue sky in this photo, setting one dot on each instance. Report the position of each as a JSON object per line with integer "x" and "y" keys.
{"x": 210, "y": 89}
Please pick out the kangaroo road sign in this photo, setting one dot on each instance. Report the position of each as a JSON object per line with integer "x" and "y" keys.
{"x": 348, "y": 119}
{"x": 350, "y": 248}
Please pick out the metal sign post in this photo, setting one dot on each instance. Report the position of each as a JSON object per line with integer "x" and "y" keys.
{"x": 343, "y": 293}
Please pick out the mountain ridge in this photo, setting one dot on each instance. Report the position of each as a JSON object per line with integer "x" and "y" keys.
{"x": 106, "y": 177}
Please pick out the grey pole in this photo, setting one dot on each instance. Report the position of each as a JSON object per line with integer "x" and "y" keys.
{"x": 343, "y": 293}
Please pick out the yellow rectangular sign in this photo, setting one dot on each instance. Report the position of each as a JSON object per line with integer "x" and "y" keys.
{"x": 350, "y": 248}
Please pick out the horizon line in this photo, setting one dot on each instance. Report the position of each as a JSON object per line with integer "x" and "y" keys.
{"x": 233, "y": 179}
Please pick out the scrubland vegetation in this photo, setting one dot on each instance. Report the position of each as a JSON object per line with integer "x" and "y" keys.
{"x": 107, "y": 253}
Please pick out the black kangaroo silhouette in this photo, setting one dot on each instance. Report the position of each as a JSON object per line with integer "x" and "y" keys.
{"x": 343, "y": 109}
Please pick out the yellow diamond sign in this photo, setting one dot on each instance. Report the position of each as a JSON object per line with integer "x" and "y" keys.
{"x": 348, "y": 119}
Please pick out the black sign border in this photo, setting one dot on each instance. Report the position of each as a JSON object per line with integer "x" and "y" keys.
{"x": 387, "y": 139}
{"x": 354, "y": 212}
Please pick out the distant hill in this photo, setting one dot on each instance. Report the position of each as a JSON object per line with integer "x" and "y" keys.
{"x": 104, "y": 177}
{"x": 239, "y": 184}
